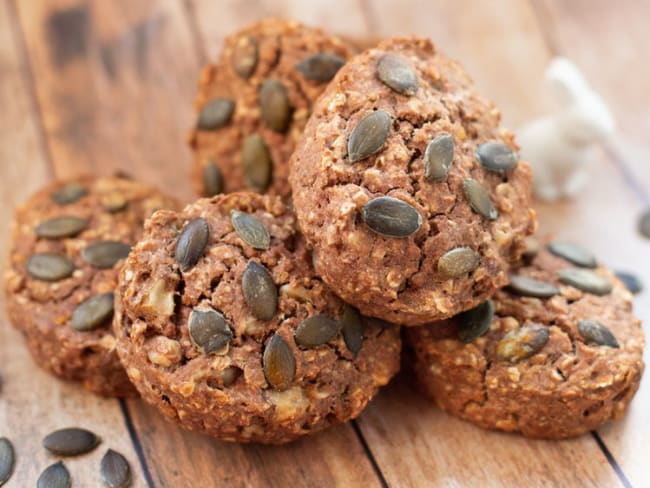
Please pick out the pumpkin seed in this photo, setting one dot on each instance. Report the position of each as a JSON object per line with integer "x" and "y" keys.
{"x": 114, "y": 202}
{"x": 244, "y": 56}
{"x": 352, "y": 328}
{"x": 212, "y": 180}
{"x": 7, "y": 460}
{"x": 69, "y": 193}
{"x": 215, "y": 114}
{"x": 496, "y": 156}
{"x": 70, "y": 442}
{"x": 391, "y": 217}
{"x": 369, "y": 136}
{"x": 105, "y": 254}
{"x": 397, "y": 74}
{"x": 631, "y": 281}
{"x": 458, "y": 262}
{"x": 438, "y": 157}
{"x": 250, "y": 230}
{"x": 55, "y": 476}
{"x": 320, "y": 67}
{"x": 93, "y": 312}
{"x": 473, "y": 323}
{"x": 644, "y": 224}
{"x": 479, "y": 199}
{"x": 279, "y": 363}
{"x": 586, "y": 281}
{"x": 595, "y": 332}
{"x": 316, "y": 330}
{"x": 522, "y": 343}
{"x": 209, "y": 330}
{"x": 573, "y": 253}
{"x": 60, "y": 227}
{"x": 256, "y": 162}
{"x": 274, "y": 105}
{"x": 115, "y": 470}
{"x": 49, "y": 267}
{"x": 529, "y": 287}
{"x": 260, "y": 292}
{"x": 191, "y": 243}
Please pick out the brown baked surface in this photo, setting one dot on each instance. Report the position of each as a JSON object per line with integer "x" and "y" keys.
{"x": 397, "y": 279}
{"x": 281, "y": 46}
{"x": 42, "y": 310}
{"x": 152, "y": 325}
{"x": 566, "y": 389}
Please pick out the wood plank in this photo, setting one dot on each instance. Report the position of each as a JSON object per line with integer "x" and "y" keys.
{"x": 33, "y": 403}
{"x": 503, "y": 49}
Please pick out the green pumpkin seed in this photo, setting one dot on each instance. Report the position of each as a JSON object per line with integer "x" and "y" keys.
{"x": 496, "y": 156}
{"x": 644, "y": 224}
{"x": 105, "y": 254}
{"x": 369, "y": 136}
{"x": 573, "y": 253}
{"x": 529, "y": 287}
{"x": 352, "y": 328}
{"x": 7, "y": 460}
{"x": 70, "y": 442}
{"x": 115, "y": 470}
{"x": 69, "y": 193}
{"x": 260, "y": 292}
{"x": 320, "y": 67}
{"x": 522, "y": 343}
{"x": 391, "y": 217}
{"x": 215, "y": 114}
{"x": 586, "y": 281}
{"x": 244, "y": 56}
{"x": 473, "y": 323}
{"x": 55, "y": 476}
{"x": 60, "y": 227}
{"x": 256, "y": 162}
{"x": 458, "y": 262}
{"x": 49, "y": 267}
{"x": 250, "y": 230}
{"x": 279, "y": 363}
{"x": 209, "y": 330}
{"x": 438, "y": 157}
{"x": 595, "y": 332}
{"x": 213, "y": 183}
{"x": 275, "y": 106}
{"x": 631, "y": 281}
{"x": 191, "y": 243}
{"x": 479, "y": 199}
{"x": 316, "y": 330}
{"x": 397, "y": 74}
{"x": 93, "y": 312}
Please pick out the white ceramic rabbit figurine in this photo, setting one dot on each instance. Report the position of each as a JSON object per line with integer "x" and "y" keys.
{"x": 558, "y": 146}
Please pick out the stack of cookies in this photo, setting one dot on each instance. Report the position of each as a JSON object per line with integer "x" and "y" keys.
{"x": 349, "y": 196}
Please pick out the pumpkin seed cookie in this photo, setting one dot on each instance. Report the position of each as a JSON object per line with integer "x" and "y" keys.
{"x": 224, "y": 327}
{"x": 254, "y": 103}
{"x": 69, "y": 241}
{"x": 556, "y": 354}
{"x": 410, "y": 193}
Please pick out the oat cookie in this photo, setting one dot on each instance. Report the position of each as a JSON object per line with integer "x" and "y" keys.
{"x": 410, "y": 193}
{"x": 254, "y": 102}
{"x": 223, "y": 326}
{"x": 69, "y": 242}
{"x": 556, "y": 354}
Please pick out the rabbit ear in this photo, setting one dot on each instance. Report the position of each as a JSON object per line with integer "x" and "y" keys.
{"x": 566, "y": 81}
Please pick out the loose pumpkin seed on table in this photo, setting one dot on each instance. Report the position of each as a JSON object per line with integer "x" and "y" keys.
{"x": 250, "y": 324}
{"x": 55, "y": 476}
{"x": 115, "y": 470}
{"x": 71, "y": 441}
{"x": 7, "y": 460}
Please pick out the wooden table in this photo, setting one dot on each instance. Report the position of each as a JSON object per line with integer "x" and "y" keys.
{"x": 90, "y": 86}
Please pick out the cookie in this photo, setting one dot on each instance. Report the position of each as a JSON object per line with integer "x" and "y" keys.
{"x": 254, "y": 103}
{"x": 409, "y": 191}
{"x": 69, "y": 241}
{"x": 556, "y": 354}
{"x": 223, "y": 326}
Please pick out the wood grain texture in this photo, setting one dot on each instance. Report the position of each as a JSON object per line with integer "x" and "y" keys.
{"x": 32, "y": 403}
